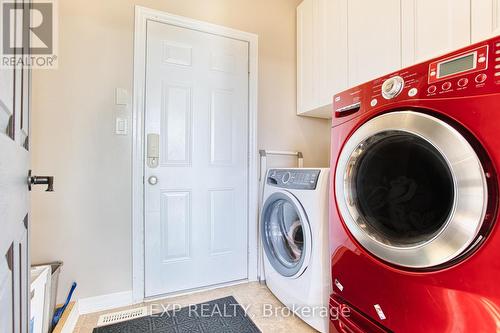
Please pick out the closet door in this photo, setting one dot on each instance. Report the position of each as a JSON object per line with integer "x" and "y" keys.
{"x": 374, "y": 38}
{"x": 433, "y": 27}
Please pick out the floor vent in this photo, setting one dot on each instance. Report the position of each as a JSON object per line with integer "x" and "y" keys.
{"x": 116, "y": 317}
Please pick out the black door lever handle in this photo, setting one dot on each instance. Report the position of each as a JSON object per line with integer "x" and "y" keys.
{"x": 41, "y": 180}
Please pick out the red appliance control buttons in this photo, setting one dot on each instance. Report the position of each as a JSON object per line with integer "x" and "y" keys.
{"x": 431, "y": 89}
{"x": 462, "y": 82}
{"x": 446, "y": 86}
{"x": 412, "y": 92}
{"x": 480, "y": 78}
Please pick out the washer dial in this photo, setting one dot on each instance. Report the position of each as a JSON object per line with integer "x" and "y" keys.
{"x": 392, "y": 87}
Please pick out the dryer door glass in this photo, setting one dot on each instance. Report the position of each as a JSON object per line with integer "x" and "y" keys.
{"x": 283, "y": 234}
{"x": 411, "y": 190}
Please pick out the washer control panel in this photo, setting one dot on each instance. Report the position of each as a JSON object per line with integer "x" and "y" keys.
{"x": 470, "y": 61}
{"x": 471, "y": 71}
{"x": 296, "y": 179}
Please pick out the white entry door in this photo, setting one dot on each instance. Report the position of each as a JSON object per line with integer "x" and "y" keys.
{"x": 196, "y": 197}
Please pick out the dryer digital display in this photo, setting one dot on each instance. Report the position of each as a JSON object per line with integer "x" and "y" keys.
{"x": 457, "y": 65}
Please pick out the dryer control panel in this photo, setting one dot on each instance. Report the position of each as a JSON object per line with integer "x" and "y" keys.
{"x": 470, "y": 71}
{"x": 296, "y": 179}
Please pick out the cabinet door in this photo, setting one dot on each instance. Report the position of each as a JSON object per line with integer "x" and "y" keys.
{"x": 333, "y": 77}
{"x": 307, "y": 80}
{"x": 374, "y": 38}
{"x": 485, "y": 19}
{"x": 433, "y": 27}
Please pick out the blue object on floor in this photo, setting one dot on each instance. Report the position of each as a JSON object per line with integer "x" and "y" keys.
{"x": 60, "y": 311}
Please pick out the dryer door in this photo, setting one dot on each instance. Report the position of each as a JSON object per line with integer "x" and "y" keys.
{"x": 286, "y": 234}
{"x": 411, "y": 189}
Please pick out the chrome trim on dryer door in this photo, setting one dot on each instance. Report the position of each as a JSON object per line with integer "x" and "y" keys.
{"x": 470, "y": 193}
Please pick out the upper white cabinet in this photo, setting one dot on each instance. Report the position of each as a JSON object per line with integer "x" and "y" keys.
{"x": 373, "y": 38}
{"x": 433, "y": 27}
{"x": 333, "y": 59}
{"x": 321, "y": 55}
{"x": 307, "y": 56}
{"x": 342, "y": 43}
{"x": 485, "y": 19}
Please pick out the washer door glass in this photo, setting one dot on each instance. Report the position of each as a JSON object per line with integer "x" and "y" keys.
{"x": 284, "y": 234}
{"x": 403, "y": 188}
{"x": 411, "y": 189}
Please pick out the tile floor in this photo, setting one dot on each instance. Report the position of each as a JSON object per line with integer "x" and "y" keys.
{"x": 252, "y": 295}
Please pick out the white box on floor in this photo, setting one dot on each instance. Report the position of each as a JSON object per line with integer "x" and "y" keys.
{"x": 40, "y": 299}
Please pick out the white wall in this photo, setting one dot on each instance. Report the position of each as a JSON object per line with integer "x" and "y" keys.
{"x": 86, "y": 222}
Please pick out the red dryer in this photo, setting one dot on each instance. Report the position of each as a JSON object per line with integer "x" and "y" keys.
{"x": 414, "y": 234}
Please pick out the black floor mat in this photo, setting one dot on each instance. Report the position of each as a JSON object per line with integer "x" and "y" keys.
{"x": 223, "y": 315}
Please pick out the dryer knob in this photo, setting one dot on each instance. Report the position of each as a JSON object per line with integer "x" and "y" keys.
{"x": 286, "y": 177}
{"x": 392, "y": 87}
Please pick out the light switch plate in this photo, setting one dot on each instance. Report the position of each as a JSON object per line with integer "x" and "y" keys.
{"x": 121, "y": 96}
{"x": 121, "y": 127}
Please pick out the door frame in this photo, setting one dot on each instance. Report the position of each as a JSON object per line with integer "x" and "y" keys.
{"x": 142, "y": 16}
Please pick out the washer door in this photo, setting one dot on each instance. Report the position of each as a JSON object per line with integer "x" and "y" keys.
{"x": 411, "y": 189}
{"x": 286, "y": 234}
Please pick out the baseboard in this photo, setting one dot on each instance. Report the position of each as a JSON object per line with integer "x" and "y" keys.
{"x": 105, "y": 302}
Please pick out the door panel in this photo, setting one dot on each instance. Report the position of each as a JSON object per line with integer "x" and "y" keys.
{"x": 7, "y": 291}
{"x": 485, "y": 16}
{"x": 176, "y": 226}
{"x": 176, "y": 125}
{"x": 221, "y": 127}
{"x": 222, "y": 215}
{"x": 431, "y": 28}
{"x": 306, "y": 60}
{"x": 6, "y": 99}
{"x": 196, "y": 215}
{"x": 374, "y": 41}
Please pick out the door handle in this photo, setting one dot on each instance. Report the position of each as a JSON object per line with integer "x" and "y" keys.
{"x": 41, "y": 180}
{"x": 153, "y": 180}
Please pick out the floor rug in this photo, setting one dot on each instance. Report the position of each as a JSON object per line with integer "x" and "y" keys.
{"x": 223, "y": 315}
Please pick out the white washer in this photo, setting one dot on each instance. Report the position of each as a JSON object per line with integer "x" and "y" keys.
{"x": 294, "y": 232}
